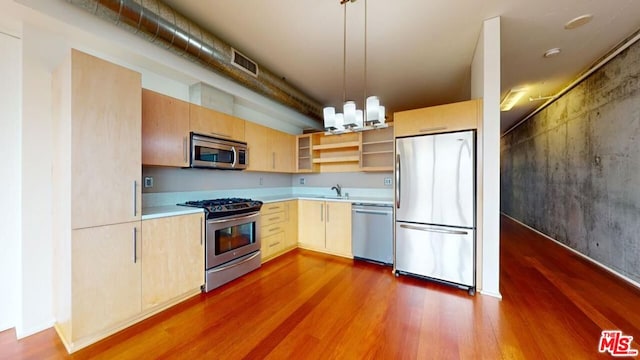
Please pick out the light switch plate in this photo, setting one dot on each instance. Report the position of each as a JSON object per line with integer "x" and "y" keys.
{"x": 303, "y": 181}
{"x": 387, "y": 181}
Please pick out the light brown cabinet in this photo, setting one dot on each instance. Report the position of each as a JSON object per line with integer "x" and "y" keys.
{"x": 325, "y": 226}
{"x": 304, "y": 163}
{"x": 279, "y": 228}
{"x": 96, "y": 174}
{"x": 172, "y": 258}
{"x": 435, "y": 119}
{"x": 270, "y": 150}
{"x": 214, "y": 123}
{"x": 105, "y": 287}
{"x": 97, "y": 116}
{"x": 165, "y": 130}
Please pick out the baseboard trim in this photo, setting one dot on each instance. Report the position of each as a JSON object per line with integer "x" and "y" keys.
{"x": 491, "y": 293}
{"x": 593, "y": 261}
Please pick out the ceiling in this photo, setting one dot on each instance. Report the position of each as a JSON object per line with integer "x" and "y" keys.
{"x": 419, "y": 52}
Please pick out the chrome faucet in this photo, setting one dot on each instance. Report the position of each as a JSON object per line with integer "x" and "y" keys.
{"x": 338, "y": 189}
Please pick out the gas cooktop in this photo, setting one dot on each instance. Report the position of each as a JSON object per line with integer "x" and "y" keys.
{"x": 217, "y": 208}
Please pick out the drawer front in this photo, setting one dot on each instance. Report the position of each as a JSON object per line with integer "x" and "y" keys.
{"x": 269, "y": 230}
{"x": 272, "y": 208}
{"x": 272, "y": 244}
{"x": 274, "y": 218}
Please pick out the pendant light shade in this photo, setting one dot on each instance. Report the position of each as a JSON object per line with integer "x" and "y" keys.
{"x": 373, "y": 109}
{"x": 329, "y": 118}
{"x": 339, "y": 121}
{"x": 359, "y": 119}
{"x": 349, "y": 114}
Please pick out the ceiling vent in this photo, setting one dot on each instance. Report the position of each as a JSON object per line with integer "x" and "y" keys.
{"x": 244, "y": 63}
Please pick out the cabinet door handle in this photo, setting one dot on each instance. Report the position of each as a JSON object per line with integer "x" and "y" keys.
{"x": 433, "y": 129}
{"x": 327, "y": 212}
{"x": 274, "y": 229}
{"x": 184, "y": 146}
{"x": 273, "y": 218}
{"x": 274, "y": 244}
{"x": 321, "y": 212}
{"x": 273, "y": 160}
{"x": 135, "y": 199}
{"x": 135, "y": 245}
{"x": 201, "y": 228}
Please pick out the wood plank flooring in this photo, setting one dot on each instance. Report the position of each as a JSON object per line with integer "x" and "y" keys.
{"x": 305, "y": 305}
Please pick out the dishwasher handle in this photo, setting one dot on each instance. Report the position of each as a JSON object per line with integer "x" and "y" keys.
{"x": 373, "y": 212}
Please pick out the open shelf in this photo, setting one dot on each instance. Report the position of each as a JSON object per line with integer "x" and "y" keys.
{"x": 336, "y": 159}
{"x": 377, "y": 142}
{"x": 343, "y": 145}
{"x": 377, "y": 152}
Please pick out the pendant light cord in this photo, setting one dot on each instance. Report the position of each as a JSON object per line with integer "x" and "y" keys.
{"x": 364, "y": 100}
{"x": 344, "y": 57}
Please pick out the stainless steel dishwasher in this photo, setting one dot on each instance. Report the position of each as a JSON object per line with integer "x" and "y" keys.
{"x": 372, "y": 232}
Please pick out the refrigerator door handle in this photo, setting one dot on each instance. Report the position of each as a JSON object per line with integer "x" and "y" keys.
{"x": 435, "y": 230}
{"x": 398, "y": 181}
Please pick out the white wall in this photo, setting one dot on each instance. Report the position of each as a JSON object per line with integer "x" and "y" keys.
{"x": 10, "y": 176}
{"x": 485, "y": 84}
{"x": 36, "y": 184}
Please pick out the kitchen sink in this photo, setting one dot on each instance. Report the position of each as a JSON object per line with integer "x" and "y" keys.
{"x": 333, "y": 197}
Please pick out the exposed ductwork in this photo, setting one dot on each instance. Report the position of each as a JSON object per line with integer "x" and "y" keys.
{"x": 161, "y": 25}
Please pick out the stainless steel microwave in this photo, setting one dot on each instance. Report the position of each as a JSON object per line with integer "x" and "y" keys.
{"x": 218, "y": 153}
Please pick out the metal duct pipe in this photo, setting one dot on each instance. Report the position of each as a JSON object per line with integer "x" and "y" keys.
{"x": 161, "y": 25}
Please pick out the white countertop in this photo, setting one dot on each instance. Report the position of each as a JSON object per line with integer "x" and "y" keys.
{"x": 168, "y": 210}
{"x": 174, "y": 210}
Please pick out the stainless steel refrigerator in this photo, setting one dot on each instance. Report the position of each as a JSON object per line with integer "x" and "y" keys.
{"x": 435, "y": 215}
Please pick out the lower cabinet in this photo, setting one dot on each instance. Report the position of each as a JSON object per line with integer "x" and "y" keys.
{"x": 105, "y": 279}
{"x": 172, "y": 258}
{"x": 116, "y": 275}
{"x": 325, "y": 226}
{"x": 278, "y": 228}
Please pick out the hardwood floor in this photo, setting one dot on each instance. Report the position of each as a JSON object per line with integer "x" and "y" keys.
{"x": 306, "y": 305}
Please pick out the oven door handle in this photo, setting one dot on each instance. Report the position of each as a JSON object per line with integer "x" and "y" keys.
{"x": 222, "y": 268}
{"x": 255, "y": 214}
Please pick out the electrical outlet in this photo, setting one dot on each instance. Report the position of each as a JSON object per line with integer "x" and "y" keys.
{"x": 303, "y": 181}
{"x": 387, "y": 181}
{"x": 148, "y": 181}
{"x": 261, "y": 181}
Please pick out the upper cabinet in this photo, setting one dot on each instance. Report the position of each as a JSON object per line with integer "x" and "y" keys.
{"x": 436, "y": 119}
{"x": 303, "y": 154}
{"x": 97, "y": 117}
{"x": 210, "y": 122}
{"x": 269, "y": 150}
{"x": 165, "y": 130}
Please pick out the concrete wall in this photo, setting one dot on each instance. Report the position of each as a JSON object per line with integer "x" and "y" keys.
{"x": 573, "y": 170}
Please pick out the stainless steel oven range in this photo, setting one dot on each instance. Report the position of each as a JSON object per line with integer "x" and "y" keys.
{"x": 232, "y": 246}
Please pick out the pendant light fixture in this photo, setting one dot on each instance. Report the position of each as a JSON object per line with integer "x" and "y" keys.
{"x": 352, "y": 118}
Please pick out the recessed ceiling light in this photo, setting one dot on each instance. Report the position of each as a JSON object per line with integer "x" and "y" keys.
{"x": 579, "y": 21}
{"x": 552, "y": 52}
